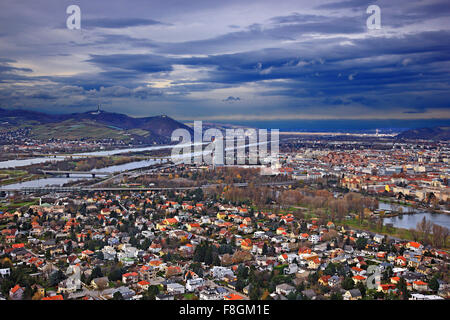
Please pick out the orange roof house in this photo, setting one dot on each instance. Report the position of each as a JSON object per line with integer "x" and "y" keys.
{"x": 57, "y": 297}
{"x": 233, "y": 296}
{"x": 413, "y": 244}
{"x": 170, "y": 221}
{"x": 16, "y": 288}
{"x": 395, "y": 280}
{"x": 358, "y": 278}
{"x": 143, "y": 284}
{"x": 246, "y": 244}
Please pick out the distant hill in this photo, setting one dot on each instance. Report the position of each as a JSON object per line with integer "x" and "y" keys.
{"x": 216, "y": 125}
{"x": 91, "y": 125}
{"x": 436, "y": 133}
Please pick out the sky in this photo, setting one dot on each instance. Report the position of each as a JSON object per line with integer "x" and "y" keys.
{"x": 229, "y": 60}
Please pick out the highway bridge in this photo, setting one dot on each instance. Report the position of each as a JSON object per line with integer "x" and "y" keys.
{"x": 81, "y": 156}
{"x": 67, "y": 173}
{"x": 99, "y": 188}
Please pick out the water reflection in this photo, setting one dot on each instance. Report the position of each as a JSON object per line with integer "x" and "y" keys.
{"x": 408, "y": 221}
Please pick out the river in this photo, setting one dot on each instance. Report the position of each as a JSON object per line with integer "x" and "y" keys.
{"x": 26, "y": 162}
{"x": 59, "y": 181}
{"x": 12, "y": 164}
{"x": 408, "y": 221}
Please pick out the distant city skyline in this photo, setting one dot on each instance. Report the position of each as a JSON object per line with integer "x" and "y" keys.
{"x": 231, "y": 61}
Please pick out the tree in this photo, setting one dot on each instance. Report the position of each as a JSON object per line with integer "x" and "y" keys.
{"x": 434, "y": 284}
{"x": 96, "y": 273}
{"x": 361, "y": 243}
{"x": 197, "y": 268}
{"x": 100, "y": 255}
{"x": 28, "y": 293}
{"x": 56, "y": 277}
{"x": 115, "y": 274}
{"x": 242, "y": 272}
{"x": 330, "y": 269}
{"x": 424, "y": 229}
{"x": 6, "y": 285}
{"x": 48, "y": 254}
{"x": 254, "y": 292}
{"x": 216, "y": 261}
{"x": 199, "y": 253}
{"x": 117, "y": 296}
{"x": 264, "y": 249}
{"x": 362, "y": 288}
{"x": 313, "y": 277}
{"x": 403, "y": 288}
{"x": 69, "y": 247}
{"x": 388, "y": 273}
{"x": 292, "y": 296}
{"x": 336, "y": 296}
{"x": 439, "y": 236}
{"x": 83, "y": 277}
{"x": 208, "y": 256}
{"x": 152, "y": 292}
{"x": 348, "y": 283}
{"x": 240, "y": 284}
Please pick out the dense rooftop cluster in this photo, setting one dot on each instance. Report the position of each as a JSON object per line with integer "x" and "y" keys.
{"x": 191, "y": 245}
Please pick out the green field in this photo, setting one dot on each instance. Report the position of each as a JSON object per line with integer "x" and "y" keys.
{"x": 72, "y": 130}
{"x": 14, "y": 176}
{"x": 13, "y": 206}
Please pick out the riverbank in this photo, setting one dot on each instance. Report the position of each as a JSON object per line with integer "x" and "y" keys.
{"x": 16, "y": 176}
{"x": 410, "y": 206}
{"x": 391, "y": 231}
{"x": 353, "y": 222}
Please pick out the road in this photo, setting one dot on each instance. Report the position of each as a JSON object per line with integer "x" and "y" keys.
{"x": 137, "y": 189}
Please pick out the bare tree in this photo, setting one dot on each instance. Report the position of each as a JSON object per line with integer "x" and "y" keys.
{"x": 414, "y": 234}
{"x": 439, "y": 236}
{"x": 424, "y": 229}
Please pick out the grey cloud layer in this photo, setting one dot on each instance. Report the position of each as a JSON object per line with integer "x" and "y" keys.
{"x": 322, "y": 58}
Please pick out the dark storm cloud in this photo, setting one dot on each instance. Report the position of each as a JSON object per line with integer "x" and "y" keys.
{"x": 140, "y": 63}
{"x": 395, "y": 13}
{"x": 266, "y": 64}
{"x": 278, "y": 29}
{"x": 317, "y": 55}
{"x": 7, "y": 68}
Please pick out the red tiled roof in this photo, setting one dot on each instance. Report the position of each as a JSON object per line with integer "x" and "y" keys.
{"x": 57, "y": 297}
{"x": 233, "y": 296}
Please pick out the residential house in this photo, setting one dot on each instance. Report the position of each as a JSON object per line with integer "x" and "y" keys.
{"x": 16, "y": 292}
{"x": 284, "y": 289}
{"x": 100, "y": 283}
{"x": 353, "y": 294}
{"x": 419, "y": 285}
{"x": 194, "y": 284}
{"x": 175, "y": 288}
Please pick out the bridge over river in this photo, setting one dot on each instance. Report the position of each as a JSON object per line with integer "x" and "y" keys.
{"x": 67, "y": 173}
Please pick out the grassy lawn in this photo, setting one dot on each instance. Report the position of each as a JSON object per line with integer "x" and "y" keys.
{"x": 280, "y": 267}
{"x": 189, "y": 296}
